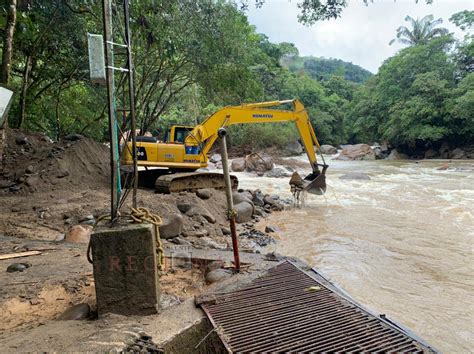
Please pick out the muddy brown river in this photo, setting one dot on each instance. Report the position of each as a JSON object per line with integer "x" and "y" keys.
{"x": 400, "y": 243}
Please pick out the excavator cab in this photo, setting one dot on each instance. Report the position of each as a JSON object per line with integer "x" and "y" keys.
{"x": 177, "y": 134}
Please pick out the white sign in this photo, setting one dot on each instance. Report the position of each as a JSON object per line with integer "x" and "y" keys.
{"x": 96, "y": 58}
{"x": 5, "y": 101}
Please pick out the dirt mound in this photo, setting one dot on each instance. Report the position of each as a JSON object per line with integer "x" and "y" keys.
{"x": 32, "y": 162}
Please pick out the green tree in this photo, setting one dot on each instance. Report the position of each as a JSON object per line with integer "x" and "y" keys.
{"x": 421, "y": 31}
{"x": 312, "y": 11}
{"x": 463, "y": 19}
{"x": 461, "y": 111}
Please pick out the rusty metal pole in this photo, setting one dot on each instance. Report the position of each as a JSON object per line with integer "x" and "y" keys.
{"x": 230, "y": 203}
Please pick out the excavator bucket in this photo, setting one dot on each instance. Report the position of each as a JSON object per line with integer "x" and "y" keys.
{"x": 314, "y": 183}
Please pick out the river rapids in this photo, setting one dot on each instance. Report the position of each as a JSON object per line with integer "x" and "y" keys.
{"x": 400, "y": 243}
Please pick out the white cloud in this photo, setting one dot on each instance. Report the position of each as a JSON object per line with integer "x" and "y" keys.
{"x": 360, "y": 36}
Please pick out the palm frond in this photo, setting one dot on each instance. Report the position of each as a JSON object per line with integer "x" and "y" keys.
{"x": 422, "y": 30}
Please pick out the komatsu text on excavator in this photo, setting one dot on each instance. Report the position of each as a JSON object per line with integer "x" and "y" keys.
{"x": 185, "y": 148}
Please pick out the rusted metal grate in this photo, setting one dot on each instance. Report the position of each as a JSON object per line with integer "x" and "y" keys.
{"x": 287, "y": 310}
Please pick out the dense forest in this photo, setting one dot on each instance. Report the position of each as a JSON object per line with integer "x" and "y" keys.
{"x": 194, "y": 57}
{"x": 322, "y": 69}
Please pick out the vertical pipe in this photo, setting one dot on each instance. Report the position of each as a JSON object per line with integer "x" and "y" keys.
{"x": 107, "y": 22}
{"x": 131, "y": 92}
{"x": 230, "y": 203}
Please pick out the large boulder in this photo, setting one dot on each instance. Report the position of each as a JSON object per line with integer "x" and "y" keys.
{"x": 215, "y": 158}
{"x": 201, "y": 211}
{"x": 444, "y": 150}
{"x": 278, "y": 172}
{"x": 379, "y": 153}
{"x": 356, "y": 152}
{"x": 385, "y": 146}
{"x": 395, "y": 155}
{"x": 258, "y": 162}
{"x": 79, "y": 234}
{"x": 184, "y": 206}
{"x": 172, "y": 226}
{"x": 258, "y": 198}
{"x": 328, "y": 149}
{"x": 239, "y": 197}
{"x": 269, "y": 200}
{"x": 430, "y": 154}
{"x": 458, "y": 154}
{"x": 244, "y": 212}
{"x": 294, "y": 148}
{"x": 238, "y": 164}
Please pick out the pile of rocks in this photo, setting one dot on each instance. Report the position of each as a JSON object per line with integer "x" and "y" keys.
{"x": 250, "y": 206}
{"x": 384, "y": 151}
{"x": 445, "y": 152}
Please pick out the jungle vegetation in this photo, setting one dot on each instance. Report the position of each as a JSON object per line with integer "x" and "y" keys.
{"x": 193, "y": 57}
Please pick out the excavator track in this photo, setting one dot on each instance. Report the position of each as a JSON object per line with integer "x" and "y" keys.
{"x": 192, "y": 181}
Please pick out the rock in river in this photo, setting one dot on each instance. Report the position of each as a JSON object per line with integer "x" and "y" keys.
{"x": 355, "y": 175}
{"x": 395, "y": 155}
{"x": 258, "y": 162}
{"x": 278, "y": 172}
{"x": 458, "y": 154}
{"x": 430, "y": 154}
{"x": 294, "y": 148}
{"x": 238, "y": 165}
{"x": 270, "y": 229}
{"x": 356, "y": 152}
{"x": 328, "y": 149}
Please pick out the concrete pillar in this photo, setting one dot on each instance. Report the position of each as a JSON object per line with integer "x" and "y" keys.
{"x": 125, "y": 270}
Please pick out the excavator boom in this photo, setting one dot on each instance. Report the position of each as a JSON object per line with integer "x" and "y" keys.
{"x": 205, "y": 134}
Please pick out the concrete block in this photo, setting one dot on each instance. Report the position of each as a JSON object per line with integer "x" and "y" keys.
{"x": 125, "y": 270}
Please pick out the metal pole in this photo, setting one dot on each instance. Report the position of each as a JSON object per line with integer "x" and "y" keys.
{"x": 131, "y": 92}
{"x": 107, "y": 21}
{"x": 230, "y": 203}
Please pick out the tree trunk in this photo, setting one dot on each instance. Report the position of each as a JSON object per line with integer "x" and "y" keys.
{"x": 24, "y": 90}
{"x": 8, "y": 43}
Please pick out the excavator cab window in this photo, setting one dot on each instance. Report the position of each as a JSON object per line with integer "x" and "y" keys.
{"x": 180, "y": 134}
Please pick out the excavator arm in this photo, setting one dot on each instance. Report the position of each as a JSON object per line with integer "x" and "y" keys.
{"x": 205, "y": 134}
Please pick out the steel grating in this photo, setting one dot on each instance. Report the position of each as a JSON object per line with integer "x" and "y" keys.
{"x": 287, "y": 310}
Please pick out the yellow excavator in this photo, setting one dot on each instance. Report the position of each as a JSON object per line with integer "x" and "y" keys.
{"x": 185, "y": 148}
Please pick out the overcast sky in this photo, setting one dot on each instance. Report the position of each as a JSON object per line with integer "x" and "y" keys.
{"x": 360, "y": 36}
